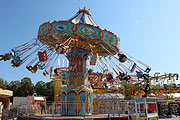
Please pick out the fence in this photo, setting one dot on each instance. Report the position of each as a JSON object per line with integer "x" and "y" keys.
{"x": 114, "y": 107}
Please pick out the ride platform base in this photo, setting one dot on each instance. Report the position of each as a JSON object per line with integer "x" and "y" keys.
{"x": 58, "y": 117}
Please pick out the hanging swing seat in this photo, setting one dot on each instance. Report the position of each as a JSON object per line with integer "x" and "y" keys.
{"x": 177, "y": 76}
{"x": 93, "y": 60}
{"x": 61, "y": 49}
{"x": 139, "y": 74}
{"x": 56, "y": 71}
{"x": 109, "y": 78}
{"x": 90, "y": 71}
{"x": 145, "y": 76}
{"x": 5, "y": 57}
{"x": 122, "y": 76}
{"x": 125, "y": 77}
{"x": 15, "y": 53}
{"x": 45, "y": 73}
{"x": 34, "y": 69}
{"x": 104, "y": 85}
{"x": 14, "y": 64}
{"x": 29, "y": 67}
{"x": 133, "y": 67}
{"x": 147, "y": 70}
{"x": 16, "y": 59}
{"x": 105, "y": 71}
{"x": 42, "y": 56}
{"x": 41, "y": 66}
{"x": 122, "y": 57}
{"x": 72, "y": 67}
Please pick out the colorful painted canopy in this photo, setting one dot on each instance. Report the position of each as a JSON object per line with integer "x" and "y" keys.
{"x": 82, "y": 16}
{"x": 83, "y": 30}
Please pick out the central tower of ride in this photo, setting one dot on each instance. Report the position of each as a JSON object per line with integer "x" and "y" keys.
{"x": 78, "y": 38}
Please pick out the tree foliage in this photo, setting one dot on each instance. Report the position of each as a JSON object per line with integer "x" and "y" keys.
{"x": 15, "y": 87}
{"x": 25, "y": 87}
{"x": 3, "y": 84}
{"x": 45, "y": 89}
{"x": 40, "y": 88}
{"x": 49, "y": 92}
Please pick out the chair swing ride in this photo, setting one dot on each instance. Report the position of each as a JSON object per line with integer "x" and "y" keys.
{"x": 81, "y": 33}
{"x": 94, "y": 59}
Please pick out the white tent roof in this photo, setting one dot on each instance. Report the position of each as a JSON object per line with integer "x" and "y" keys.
{"x": 82, "y": 16}
{"x": 38, "y": 98}
{"x": 108, "y": 96}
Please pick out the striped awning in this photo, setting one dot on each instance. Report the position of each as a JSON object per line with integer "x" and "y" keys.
{"x": 82, "y": 16}
{"x": 5, "y": 93}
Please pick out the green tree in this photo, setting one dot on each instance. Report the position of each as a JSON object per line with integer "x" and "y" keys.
{"x": 45, "y": 89}
{"x": 49, "y": 91}
{"x": 40, "y": 88}
{"x": 3, "y": 84}
{"x": 15, "y": 87}
{"x": 26, "y": 87}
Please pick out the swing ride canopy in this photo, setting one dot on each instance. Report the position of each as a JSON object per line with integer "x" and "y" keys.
{"x": 85, "y": 32}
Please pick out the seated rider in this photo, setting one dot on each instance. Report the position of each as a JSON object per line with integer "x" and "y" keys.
{"x": 14, "y": 64}
{"x": 61, "y": 48}
{"x": 5, "y": 57}
{"x": 122, "y": 57}
{"x": 123, "y": 76}
{"x": 109, "y": 77}
{"x": 139, "y": 74}
{"x": 56, "y": 71}
{"x": 29, "y": 67}
{"x": 148, "y": 70}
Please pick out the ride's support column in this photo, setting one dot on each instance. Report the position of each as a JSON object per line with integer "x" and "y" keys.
{"x": 77, "y": 68}
{"x": 77, "y": 98}
{"x": 57, "y": 88}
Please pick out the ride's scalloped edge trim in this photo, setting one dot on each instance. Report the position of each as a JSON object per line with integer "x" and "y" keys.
{"x": 78, "y": 24}
{"x": 76, "y": 89}
{"x": 112, "y": 41}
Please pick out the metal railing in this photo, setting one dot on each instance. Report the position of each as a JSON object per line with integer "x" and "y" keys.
{"x": 53, "y": 108}
{"x": 113, "y": 107}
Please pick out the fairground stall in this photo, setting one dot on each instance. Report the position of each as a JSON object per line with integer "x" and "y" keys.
{"x": 5, "y": 97}
{"x": 5, "y": 100}
{"x": 146, "y": 109}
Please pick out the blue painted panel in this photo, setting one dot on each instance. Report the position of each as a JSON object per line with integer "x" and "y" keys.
{"x": 83, "y": 97}
{"x": 90, "y": 109}
{"x": 63, "y": 97}
{"x": 71, "y": 110}
{"x": 71, "y": 96}
{"x": 83, "y": 110}
{"x": 63, "y": 110}
{"x": 91, "y": 97}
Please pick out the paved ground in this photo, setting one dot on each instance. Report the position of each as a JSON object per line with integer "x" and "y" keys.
{"x": 173, "y": 118}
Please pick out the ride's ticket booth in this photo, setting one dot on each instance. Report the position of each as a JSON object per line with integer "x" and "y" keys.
{"x": 146, "y": 109}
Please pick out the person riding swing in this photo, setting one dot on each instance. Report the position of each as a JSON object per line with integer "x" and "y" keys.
{"x": 122, "y": 57}
{"x": 5, "y": 57}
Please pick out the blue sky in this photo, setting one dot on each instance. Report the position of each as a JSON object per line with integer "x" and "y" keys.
{"x": 149, "y": 30}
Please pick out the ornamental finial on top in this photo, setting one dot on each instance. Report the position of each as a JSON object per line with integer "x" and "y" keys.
{"x": 84, "y": 10}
